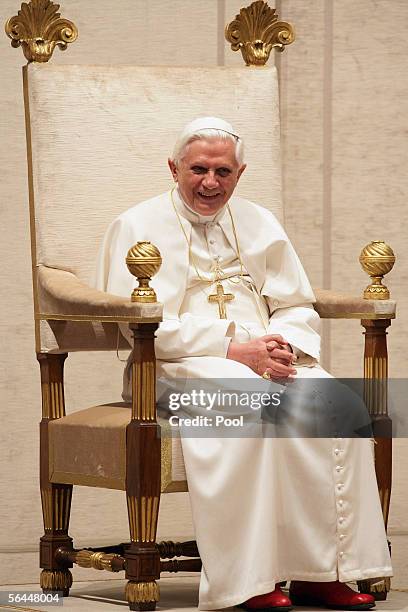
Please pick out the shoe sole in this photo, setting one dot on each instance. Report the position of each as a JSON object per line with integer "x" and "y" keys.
{"x": 310, "y": 601}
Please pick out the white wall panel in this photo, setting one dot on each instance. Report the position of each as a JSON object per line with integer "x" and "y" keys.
{"x": 370, "y": 183}
{"x": 302, "y": 132}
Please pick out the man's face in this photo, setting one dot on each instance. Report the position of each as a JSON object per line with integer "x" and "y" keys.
{"x": 207, "y": 174}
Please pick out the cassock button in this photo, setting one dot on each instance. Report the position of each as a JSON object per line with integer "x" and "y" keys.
{"x": 275, "y": 303}
{"x": 340, "y": 486}
{"x": 342, "y": 536}
{"x": 212, "y": 241}
{"x": 341, "y": 520}
{"x": 341, "y": 554}
{"x": 339, "y": 468}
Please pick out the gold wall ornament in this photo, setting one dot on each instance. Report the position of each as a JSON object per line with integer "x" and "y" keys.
{"x": 143, "y": 261}
{"x": 38, "y": 28}
{"x": 256, "y": 31}
{"x": 377, "y": 259}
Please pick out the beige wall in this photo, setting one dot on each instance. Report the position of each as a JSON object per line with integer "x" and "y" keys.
{"x": 343, "y": 99}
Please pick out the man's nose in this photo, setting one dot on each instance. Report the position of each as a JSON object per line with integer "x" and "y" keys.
{"x": 210, "y": 180}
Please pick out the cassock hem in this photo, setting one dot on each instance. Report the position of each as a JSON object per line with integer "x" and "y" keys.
{"x": 377, "y": 572}
{"x": 267, "y": 587}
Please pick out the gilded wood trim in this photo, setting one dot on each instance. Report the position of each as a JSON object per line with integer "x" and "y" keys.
{"x": 41, "y": 316}
{"x": 376, "y": 367}
{"x": 98, "y": 560}
{"x": 136, "y": 391}
{"x": 143, "y": 519}
{"x": 56, "y": 580}
{"x": 133, "y": 514}
{"x": 143, "y": 515}
{"x": 372, "y": 316}
{"x": 143, "y": 374}
{"x": 142, "y": 592}
{"x": 155, "y": 515}
{"x": 31, "y": 202}
{"x": 46, "y": 501}
{"x": 53, "y": 405}
{"x": 56, "y": 504}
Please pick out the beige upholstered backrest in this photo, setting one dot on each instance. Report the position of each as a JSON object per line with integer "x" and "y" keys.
{"x": 101, "y": 136}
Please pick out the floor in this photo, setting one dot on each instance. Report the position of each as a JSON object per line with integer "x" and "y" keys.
{"x": 177, "y": 593}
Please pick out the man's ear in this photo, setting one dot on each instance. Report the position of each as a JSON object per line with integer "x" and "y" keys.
{"x": 240, "y": 171}
{"x": 173, "y": 169}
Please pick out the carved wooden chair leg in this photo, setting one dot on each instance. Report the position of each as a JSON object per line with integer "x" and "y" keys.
{"x": 375, "y": 380}
{"x": 55, "y": 498}
{"x": 143, "y": 457}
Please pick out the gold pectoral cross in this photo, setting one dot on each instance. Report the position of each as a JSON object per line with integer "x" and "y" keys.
{"x": 221, "y": 298}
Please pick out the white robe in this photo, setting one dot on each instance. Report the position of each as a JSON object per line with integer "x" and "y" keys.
{"x": 264, "y": 509}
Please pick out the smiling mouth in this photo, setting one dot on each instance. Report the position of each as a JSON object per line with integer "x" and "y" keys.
{"x": 207, "y": 196}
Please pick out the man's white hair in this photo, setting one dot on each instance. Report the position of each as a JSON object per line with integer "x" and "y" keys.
{"x": 208, "y": 128}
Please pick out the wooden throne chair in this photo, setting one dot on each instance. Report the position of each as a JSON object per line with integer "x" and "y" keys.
{"x": 97, "y": 141}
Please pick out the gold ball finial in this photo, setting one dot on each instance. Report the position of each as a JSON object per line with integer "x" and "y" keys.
{"x": 377, "y": 259}
{"x": 143, "y": 261}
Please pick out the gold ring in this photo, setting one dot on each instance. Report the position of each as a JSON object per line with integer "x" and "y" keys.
{"x": 266, "y": 375}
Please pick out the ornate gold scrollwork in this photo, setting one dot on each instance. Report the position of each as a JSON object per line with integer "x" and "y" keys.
{"x": 256, "y": 31}
{"x": 377, "y": 259}
{"x": 38, "y": 28}
{"x": 143, "y": 261}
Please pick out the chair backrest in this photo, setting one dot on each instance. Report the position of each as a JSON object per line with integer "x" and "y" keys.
{"x": 101, "y": 136}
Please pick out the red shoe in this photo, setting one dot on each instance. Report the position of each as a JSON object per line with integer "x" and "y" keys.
{"x": 334, "y": 595}
{"x": 276, "y": 601}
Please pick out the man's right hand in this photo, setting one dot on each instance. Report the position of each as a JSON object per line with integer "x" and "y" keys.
{"x": 269, "y": 353}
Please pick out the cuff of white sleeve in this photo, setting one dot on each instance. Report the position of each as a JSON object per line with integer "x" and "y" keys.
{"x": 297, "y": 351}
{"x": 227, "y": 342}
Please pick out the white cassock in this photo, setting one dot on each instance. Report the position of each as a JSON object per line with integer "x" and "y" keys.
{"x": 265, "y": 510}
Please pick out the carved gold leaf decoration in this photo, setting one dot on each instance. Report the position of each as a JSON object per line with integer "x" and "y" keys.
{"x": 56, "y": 580}
{"x": 377, "y": 259}
{"x": 38, "y": 28}
{"x": 142, "y": 592}
{"x": 256, "y": 31}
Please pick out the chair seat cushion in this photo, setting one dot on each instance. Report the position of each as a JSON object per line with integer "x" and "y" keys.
{"x": 88, "y": 447}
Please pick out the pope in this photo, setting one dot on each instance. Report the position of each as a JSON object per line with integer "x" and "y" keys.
{"x": 238, "y": 307}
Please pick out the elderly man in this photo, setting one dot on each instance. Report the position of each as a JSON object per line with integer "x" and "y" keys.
{"x": 238, "y": 305}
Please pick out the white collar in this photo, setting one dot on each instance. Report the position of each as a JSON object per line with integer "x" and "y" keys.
{"x": 191, "y": 215}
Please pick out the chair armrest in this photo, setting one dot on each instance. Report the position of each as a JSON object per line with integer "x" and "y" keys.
{"x": 334, "y": 305}
{"x": 62, "y": 296}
